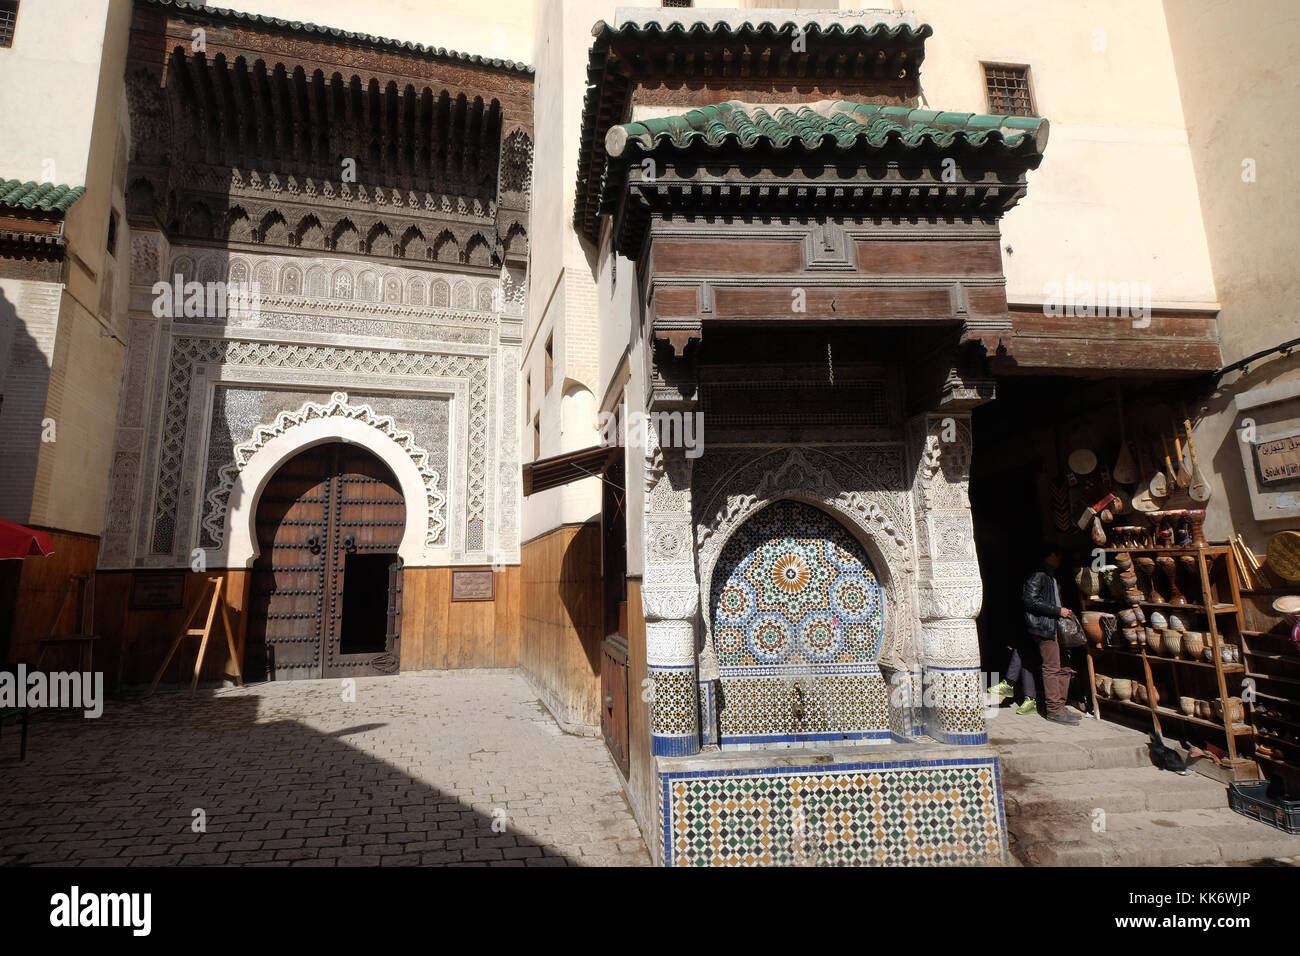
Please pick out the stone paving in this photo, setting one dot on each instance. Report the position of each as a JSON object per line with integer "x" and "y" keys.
{"x": 455, "y": 768}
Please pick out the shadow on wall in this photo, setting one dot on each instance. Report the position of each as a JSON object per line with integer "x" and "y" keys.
{"x": 580, "y": 591}
{"x": 24, "y": 385}
{"x": 271, "y": 789}
{"x": 1225, "y": 441}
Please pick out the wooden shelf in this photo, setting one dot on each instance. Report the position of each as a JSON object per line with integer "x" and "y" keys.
{"x": 1161, "y": 658}
{"x": 1284, "y": 680}
{"x": 1279, "y": 720}
{"x": 1277, "y": 740}
{"x": 1237, "y": 730}
{"x": 1183, "y": 549}
{"x": 1198, "y": 608}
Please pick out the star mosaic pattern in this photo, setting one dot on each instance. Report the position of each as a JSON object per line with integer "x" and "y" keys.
{"x": 795, "y": 588}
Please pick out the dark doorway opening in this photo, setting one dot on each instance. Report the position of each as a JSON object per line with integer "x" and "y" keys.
{"x": 364, "y": 628}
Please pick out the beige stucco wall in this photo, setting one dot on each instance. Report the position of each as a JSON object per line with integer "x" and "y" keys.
{"x": 61, "y": 99}
{"x": 1239, "y": 75}
{"x": 1115, "y": 199}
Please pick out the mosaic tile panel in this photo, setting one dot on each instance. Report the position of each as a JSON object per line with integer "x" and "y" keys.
{"x": 909, "y": 813}
{"x": 954, "y": 705}
{"x": 797, "y": 615}
{"x": 674, "y": 714}
{"x": 835, "y": 706}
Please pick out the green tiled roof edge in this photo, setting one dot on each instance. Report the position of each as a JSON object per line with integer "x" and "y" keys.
{"x": 846, "y": 126}
{"x": 46, "y": 197}
{"x": 302, "y": 27}
{"x": 587, "y": 186}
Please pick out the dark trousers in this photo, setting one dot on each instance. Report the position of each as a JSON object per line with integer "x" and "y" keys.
{"x": 1056, "y": 674}
{"x": 1021, "y": 670}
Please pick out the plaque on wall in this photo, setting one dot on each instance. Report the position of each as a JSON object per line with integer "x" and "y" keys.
{"x": 472, "y": 586}
{"x": 1278, "y": 459}
{"x": 160, "y": 590}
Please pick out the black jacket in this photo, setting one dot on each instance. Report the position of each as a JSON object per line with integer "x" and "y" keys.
{"x": 1042, "y": 604}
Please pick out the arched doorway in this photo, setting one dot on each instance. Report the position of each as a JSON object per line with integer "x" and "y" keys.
{"x": 326, "y": 588}
{"x": 797, "y": 615}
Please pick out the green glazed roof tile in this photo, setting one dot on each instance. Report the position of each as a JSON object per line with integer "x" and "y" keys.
{"x": 840, "y": 124}
{"x": 45, "y": 197}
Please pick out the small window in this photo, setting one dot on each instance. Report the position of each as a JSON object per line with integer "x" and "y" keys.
{"x": 8, "y": 16}
{"x": 537, "y": 437}
{"x": 112, "y": 233}
{"x": 550, "y": 362}
{"x": 1008, "y": 90}
{"x": 678, "y": 3}
{"x": 528, "y": 394}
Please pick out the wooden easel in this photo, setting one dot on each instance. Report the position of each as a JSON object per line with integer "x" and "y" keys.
{"x": 82, "y": 638}
{"x": 204, "y": 632}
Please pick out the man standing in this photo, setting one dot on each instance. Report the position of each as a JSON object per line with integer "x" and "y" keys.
{"x": 1042, "y": 599}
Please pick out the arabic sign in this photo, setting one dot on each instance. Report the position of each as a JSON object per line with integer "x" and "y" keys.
{"x": 1278, "y": 460}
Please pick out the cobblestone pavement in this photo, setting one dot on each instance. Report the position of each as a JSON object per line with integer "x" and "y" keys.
{"x": 416, "y": 771}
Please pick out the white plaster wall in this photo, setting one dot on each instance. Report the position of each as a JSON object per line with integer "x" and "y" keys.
{"x": 47, "y": 89}
{"x": 500, "y": 28}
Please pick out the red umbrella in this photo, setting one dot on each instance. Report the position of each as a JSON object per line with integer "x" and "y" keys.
{"x": 19, "y": 542}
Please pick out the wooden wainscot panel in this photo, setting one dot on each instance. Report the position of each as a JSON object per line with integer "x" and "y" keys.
{"x": 40, "y": 590}
{"x": 726, "y": 257}
{"x": 934, "y": 257}
{"x": 986, "y": 301}
{"x": 1166, "y": 341}
{"x": 839, "y": 304}
{"x": 676, "y": 301}
{"x": 136, "y": 615}
{"x": 443, "y": 632}
{"x": 561, "y": 623}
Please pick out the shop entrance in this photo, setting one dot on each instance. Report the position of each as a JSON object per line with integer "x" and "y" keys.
{"x": 326, "y": 588}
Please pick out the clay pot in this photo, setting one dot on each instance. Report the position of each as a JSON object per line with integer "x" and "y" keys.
{"x": 1235, "y": 651}
{"x": 1088, "y": 582}
{"x": 1196, "y": 523}
{"x": 1124, "y": 561}
{"x": 1122, "y": 688}
{"x": 1147, "y": 568}
{"x": 1104, "y": 685}
{"x": 1097, "y": 624}
{"x": 1176, "y": 623}
{"x": 1203, "y": 709}
{"x": 1158, "y": 620}
{"x": 1236, "y": 710}
{"x": 1193, "y": 644}
{"x": 1171, "y": 641}
{"x": 1139, "y": 692}
{"x": 1149, "y": 637}
{"x": 1187, "y": 705}
{"x": 1133, "y": 636}
{"x": 1128, "y": 617}
{"x": 1207, "y": 653}
{"x": 1169, "y": 568}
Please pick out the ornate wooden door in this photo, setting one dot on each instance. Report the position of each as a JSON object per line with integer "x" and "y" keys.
{"x": 326, "y": 589}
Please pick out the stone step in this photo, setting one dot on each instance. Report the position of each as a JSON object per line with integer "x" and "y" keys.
{"x": 1087, "y": 754}
{"x": 1118, "y": 790}
{"x": 1150, "y": 838}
